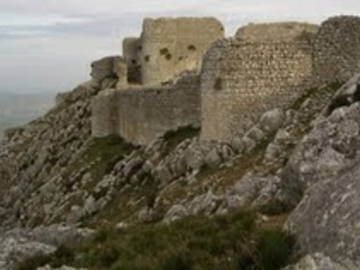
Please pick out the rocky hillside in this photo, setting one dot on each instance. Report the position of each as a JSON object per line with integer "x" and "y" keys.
{"x": 283, "y": 195}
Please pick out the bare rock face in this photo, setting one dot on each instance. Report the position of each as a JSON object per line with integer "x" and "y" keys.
{"x": 48, "y": 267}
{"x": 19, "y": 244}
{"x": 16, "y": 246}
{"x": 328, "y": 218}
{"x": 326, "y": 167}
{"x": 317, "y": 262}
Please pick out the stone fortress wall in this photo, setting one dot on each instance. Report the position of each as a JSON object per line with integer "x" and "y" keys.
{"x": 276, "y": 32}
{"x": 261, "y": 69}
{"x": 264, "y": 66}
{"x": 159, "y": 110}
{"x": 170, "y": 46}
{"x": 131, "y": 51}
{"x": 337, "y": 48}
{"x": 139, "y": 114}
{"x": 269, "y": 66}
{"x": 162, "y": 89}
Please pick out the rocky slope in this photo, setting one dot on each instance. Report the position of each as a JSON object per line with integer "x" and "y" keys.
{"x": 295, "y": 168}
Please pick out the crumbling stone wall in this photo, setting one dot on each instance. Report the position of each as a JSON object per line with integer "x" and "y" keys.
{"x": 264, "y": 67}
{"x": 104, "y": 109}
{"x": 139, "y": 114}
{"x": 277, "y": 32}
{"x": 337, "y": 49}
{"x": 243, "y": 79}
{"x": 131, "y": 50}
{"x": 270, "y": 65}
{"x": 170, "y": 46}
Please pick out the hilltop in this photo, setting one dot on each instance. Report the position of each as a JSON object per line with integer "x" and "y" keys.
{"x": 195, "y": 151}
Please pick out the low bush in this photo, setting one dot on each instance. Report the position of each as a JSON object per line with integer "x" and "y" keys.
{"x": 228, "y": 242}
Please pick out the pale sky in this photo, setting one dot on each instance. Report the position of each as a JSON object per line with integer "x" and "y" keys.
{"x": 47, "y": 45}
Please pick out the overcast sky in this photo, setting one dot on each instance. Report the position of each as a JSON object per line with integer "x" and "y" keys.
{"x": 47, "y": 45}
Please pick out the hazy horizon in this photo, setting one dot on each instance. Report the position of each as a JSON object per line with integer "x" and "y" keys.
{"x": 47, "y": 46}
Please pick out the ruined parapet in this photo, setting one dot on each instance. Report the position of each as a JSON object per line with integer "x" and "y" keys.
{"x": 131, "y": 50}
{"x": 104, "y": 109}
{"x": 111, "y": 68}
{"x": 139, "y": 114}
{"x": 170, "y": 46}
{"x": 241, "y": 80}
{"x": 277, "y": 32}
{"x": 337, "y": 49}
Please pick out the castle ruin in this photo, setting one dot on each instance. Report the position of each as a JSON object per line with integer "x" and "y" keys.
{"x": 168, "y": 47}
{"x": 158, "y": 86}
{"x": 183, "y": 72}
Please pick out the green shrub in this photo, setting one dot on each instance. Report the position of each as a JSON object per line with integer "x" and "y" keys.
{"x": 274, "y": 208}
{"x": 233, "y": 241}
{"x": 60, "y": 257}
{"x": 34, "y": 262}
{"x": 274, "y": 248}
{"x": 107, "y": 256}
{"x": 176, "y": 262}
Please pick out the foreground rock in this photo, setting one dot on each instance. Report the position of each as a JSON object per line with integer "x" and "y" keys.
{"x": 318, "y": 262}
{"x": 20, "y": 244}
{"x": 326, "y": 167}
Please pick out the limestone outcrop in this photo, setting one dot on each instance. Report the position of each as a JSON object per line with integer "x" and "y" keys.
{"x": 326, "y": 169}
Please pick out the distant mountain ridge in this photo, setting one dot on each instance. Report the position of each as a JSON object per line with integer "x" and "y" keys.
{"x": 18, "y": 109}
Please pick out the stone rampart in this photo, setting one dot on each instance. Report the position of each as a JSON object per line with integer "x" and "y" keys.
{"x": 265, "y": 66}
{"x": 277, "y": 32}
{"x": 139, "y": 114}
{"x": 337, "y": 49}
{"x": 168, "y": 47}
{"x": 131, "y": 51}
{"x": 241, "y": 80}
{"x": 270, "y": 65}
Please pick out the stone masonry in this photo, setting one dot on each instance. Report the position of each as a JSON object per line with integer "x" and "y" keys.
{"x": 244, "y": 77}
{"x": 269, "y": 66}
{"x": 337, "y": 49}
{"x": 265, "y": 66}
{"x": 139, "y": 114}
{"x": 159, "y": 88}
{"x": 168, "y": 46}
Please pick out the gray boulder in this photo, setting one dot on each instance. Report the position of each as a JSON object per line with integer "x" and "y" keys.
{"x": 328, "y": 218}
{"x": 272, "y": 120}
{"x": 16, "y": 246}
{"x": 205, "y": 204}
{"x": 175, "y": 212}
{"x": 48, "y": 267}
{"x": 317, "y": 262}
{"x": 213, "y": 159}
{"x": 58, "y": 235}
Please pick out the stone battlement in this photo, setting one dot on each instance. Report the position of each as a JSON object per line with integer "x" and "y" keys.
{"x": 232, "y": 83}
{"x": 139, "y": 114}
{"x": 169, "y": 46}
{"x": 277, "y": 32}
{"x": 269, "y": 66}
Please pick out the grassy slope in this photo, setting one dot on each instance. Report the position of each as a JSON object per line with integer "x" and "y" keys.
{"x": 234, "y": 241}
